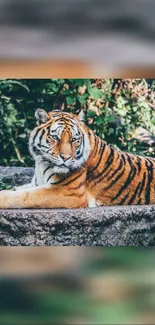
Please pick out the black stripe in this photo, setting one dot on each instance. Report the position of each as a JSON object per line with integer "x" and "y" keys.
{"x": 38, "y": 130}
{"x": 35, "y": 150}
{"x": 46, "y": 169}
{"x": 72, "y": 180}
{"x": 142, "y": 184}
{"x": 48, "y": 130}
{"x": 58, "y": 182}
{"x": 78, "y": 153}
{"x": 138, "y": 162}
{"x": 107, "y": 165}
{"x": 41, "y": 135}
{"x": 129, "y": 179}
{"x": 80, "y": 149}
{"x": 96, "y": 140}
{"x": 36, "y": 183}
{"x": 96, "y": 145}
{"x": 102, "y": 148}
{"x": 116, "y": 170}
{"x": 119, "y": 167}
{"x": 49, "y": 177}
{"x": 104, "y": 176}
{"x": 42, "y": 146}
{"x": 150, "y": 177}
{"x": 114, "y": 180}
{"x": 68, "y": 120}
{"x": 123, "y": 199}
{"x": 111, "y": 169}
{"x": 139, "y": 201}
{"x": 77, "y": 187}
{"x": 123, "y": 156}
{"x": 134, "y": 194}
{"x": 152, "y": 160}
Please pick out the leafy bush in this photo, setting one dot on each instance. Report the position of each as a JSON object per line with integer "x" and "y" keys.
{"x": 114, "y": 108}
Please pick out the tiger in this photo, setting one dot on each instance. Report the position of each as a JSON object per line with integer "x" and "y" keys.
{"x": 74, "y": 168}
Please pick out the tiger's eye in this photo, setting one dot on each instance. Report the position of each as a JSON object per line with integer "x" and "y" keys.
{"x": 54, "y": 137}
{"x": 76, "y": 140}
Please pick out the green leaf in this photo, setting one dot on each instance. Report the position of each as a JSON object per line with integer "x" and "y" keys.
{"x": 95, "y": 93}
{"x": 110, "y": 119}
{"x": 67, "y": 92}
{"x": 100, "y": 120}
{"x": 82, "y": 99}
{"x": 15, "y": 82}
{"x": 128, "y": 108}
{"x": 54, "y": 87}
{"x": 91, "y": 114}
{"x": 60, "y": 81}
{"x": 122, "y": 112}
{"x": 70, "y": 100}
{"x": 111, "y": 131}
{"x": 79, "y": 82}
{"x": 87, "y": 83}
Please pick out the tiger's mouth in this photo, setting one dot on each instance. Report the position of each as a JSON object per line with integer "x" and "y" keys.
{"x": 60, "y": 166}
{"x": 63, "y": 164}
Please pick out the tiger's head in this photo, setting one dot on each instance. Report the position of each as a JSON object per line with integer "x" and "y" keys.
{"x": 60, "y": 139}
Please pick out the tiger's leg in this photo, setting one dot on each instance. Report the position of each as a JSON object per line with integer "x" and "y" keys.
{"x": 42, "y": 197}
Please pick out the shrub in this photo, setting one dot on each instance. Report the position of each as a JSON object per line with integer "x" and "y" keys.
{"x": 114, "y": 108}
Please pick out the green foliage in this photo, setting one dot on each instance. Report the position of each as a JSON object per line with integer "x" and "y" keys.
{"x": 114, "y": 109}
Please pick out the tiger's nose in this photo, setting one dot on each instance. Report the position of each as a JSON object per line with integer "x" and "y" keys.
{"x": 65, "y": 157}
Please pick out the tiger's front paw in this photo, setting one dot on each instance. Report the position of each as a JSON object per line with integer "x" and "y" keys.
{"x": 5, "y": 197}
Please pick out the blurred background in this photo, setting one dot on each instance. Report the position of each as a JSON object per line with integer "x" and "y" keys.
{"x": 120, "y": 111}
{"x": 77, "y": 39}
{"x": 77, "y": 285}
{"x": 80, "y": 38}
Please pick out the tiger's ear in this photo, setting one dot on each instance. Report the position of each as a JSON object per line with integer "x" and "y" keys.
{"x": 81, "y": 116}
{"x": 41, "y": 116}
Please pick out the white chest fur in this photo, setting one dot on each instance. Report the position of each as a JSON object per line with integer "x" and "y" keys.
{"x": 91, "y": 201}
{"x": 43, "y": 174}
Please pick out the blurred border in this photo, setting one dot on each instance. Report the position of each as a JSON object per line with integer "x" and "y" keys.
{"x": 69, "y": 69}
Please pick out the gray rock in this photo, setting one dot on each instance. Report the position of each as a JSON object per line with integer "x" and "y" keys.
{"x": 102, "y": 226}
{"x": 16, "y": 176}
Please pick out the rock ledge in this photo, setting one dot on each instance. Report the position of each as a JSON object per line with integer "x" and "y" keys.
{"x": 102, "y": 226}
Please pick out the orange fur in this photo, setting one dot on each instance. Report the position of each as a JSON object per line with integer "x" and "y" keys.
{"x": 107, "y": 177}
